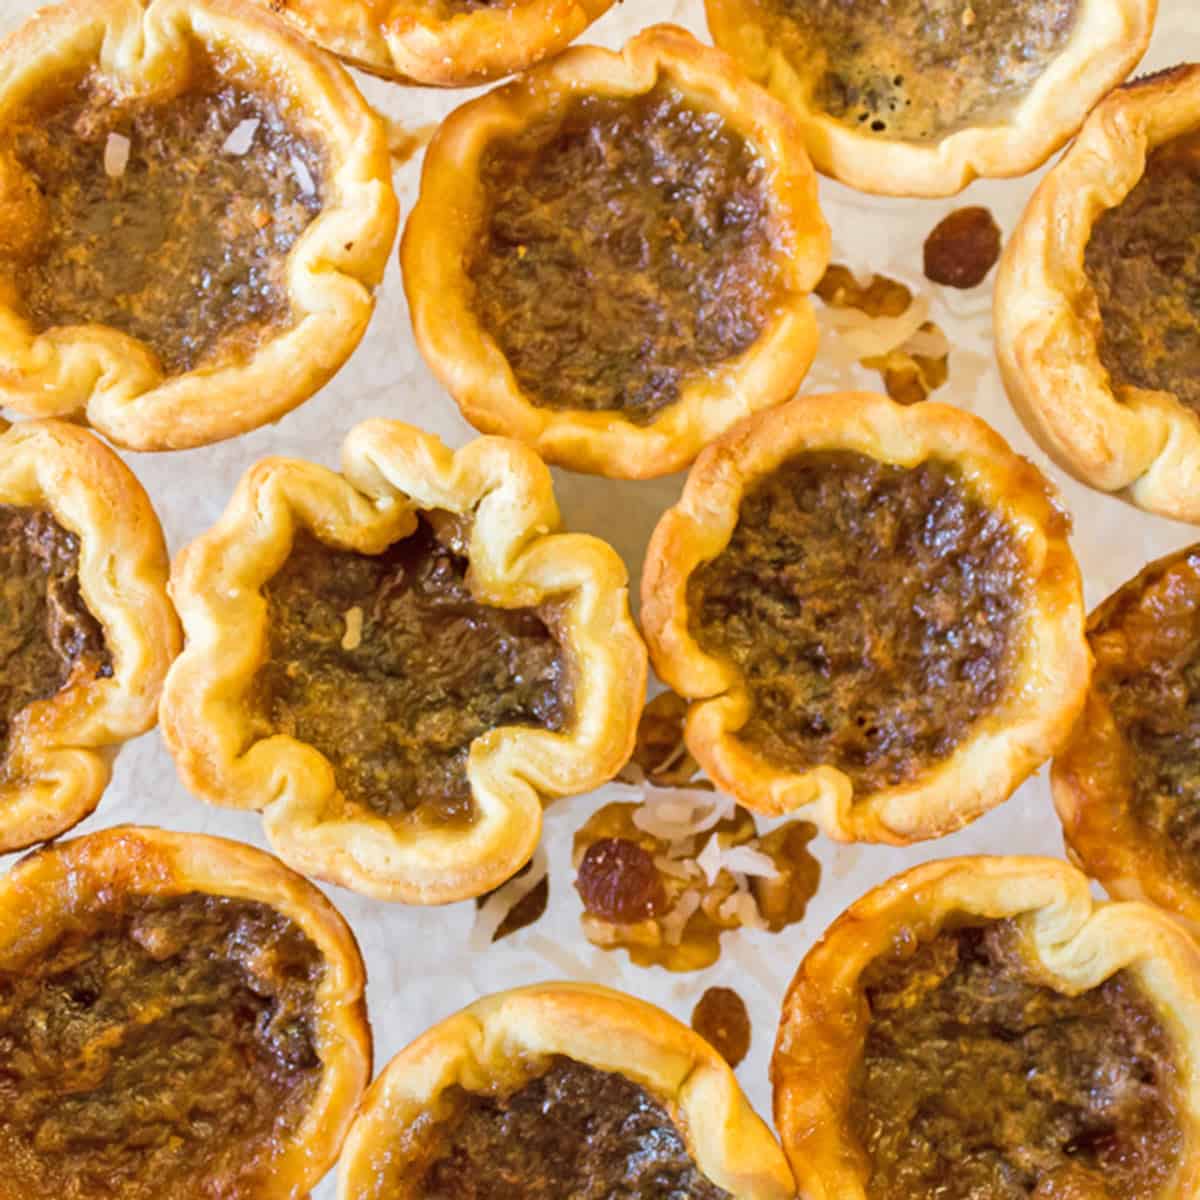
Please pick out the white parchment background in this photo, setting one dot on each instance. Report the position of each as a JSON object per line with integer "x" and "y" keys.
{"x": 419, "y": 966}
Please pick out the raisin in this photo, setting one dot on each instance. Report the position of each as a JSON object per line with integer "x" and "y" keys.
{"x": 963, "y": 248}
{"x": 619, "y": 882}
{"x": 721, "y": 1019}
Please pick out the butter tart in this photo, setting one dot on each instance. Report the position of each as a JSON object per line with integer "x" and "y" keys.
{"x": 399, "y": 663}
{"x": 195, "y": 207}
{"x": 610, "y": 258}
{"x": 562, "y": 1089}
{"x": 1097, "y": 320}
{"x": 86, "y": 629}
{"x": 910, "y": 98}
{"x": 982, "y": 1027}
{"x": 875, "y": 613}
{"x": 181, "y": 1016}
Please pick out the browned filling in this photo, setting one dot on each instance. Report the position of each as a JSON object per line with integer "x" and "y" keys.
{"x": 452, "y": 8}
{"x": 979, "y": 1081}
{"x": 48, "y": 638}
{"x": 1143, "y": 262}
{"x": 391, "y": 669}
{"x": 185, "y": 248}
{"x": 920, "y": 69}
{"x": 158, "y": 1048}
{"x": 872, "y": 611}
{"x": 573, "y": 1131}
{"x": 627, "y": 249}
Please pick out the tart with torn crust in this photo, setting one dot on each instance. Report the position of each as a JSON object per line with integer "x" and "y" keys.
{"x": 86, "y": 629}
{"x": 398, "y": 664}
{"x": 195, "y": 207}
{"x": 982, "y": 1027}
{"x": 917, "y": 98}
{"x": 562, "y": 1089}
{"x": 1097, "y": 311}
{"x": 611, "y": 257}
{"x": 874, "y": 612}
{"x": 181, "y": 1016}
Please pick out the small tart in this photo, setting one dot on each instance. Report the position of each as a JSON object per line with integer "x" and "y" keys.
{"x": 981, "y": 1027}
{"x": 271, "y": 214}
{"x": 1097, "y": 323}
{"x": 182, "y": 1016}
{"x": 446, "y": 43}
{"x": 913, "y": 99}
{"x": 611, "y": 257}
{"x": 399, "y": 663}
{"x": 554, "y": 1090}
{"x": 875, "y": 612}
{"x": 86, "y": 629}
{"x": 1127, "y": 785}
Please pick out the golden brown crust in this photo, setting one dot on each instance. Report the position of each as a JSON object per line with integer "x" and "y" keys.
{"x": 67, "y": 877}
{"x": 504, "y": 1040}
{"x": 1108, "y": 39}
{"x": 1046, "y": 326}
{"x": 1077, "y": 942}
{"x": 115, "y": 381}
{"x": 60, "y": 750}
{"x": 390, "y": 470}
{"x": 1050, "y": 676}
{"x": 445, "y": 223}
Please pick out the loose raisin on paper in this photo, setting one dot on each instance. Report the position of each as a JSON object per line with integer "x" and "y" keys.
{"x": 619, "y": 882}
{"x": 721, "y": 1019}
{"x": 963, "y": 248}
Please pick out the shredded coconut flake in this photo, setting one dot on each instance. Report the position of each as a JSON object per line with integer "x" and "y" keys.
{"x": 241, "y": 138}
{"x": 674, "y": 813}
{"x": 711, "y": 859}
{"x": 741, "y": 907}
{"x": 304, "y": 178}
{"x": 674, "y": 922}
{"x": 677, "y": 868}
{"x": 116, "y": 155}
{"x": 746, "y": 860}
{"x": 352, "y": 638}
{"x": 498, "y": 905}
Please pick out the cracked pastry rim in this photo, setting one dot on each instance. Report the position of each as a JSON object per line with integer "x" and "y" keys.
{"x": 62, "y": 747}
{"x": 1078, "y": 941}
{"x": 411, "y": 43}
{"x": 114, "y": 380}
{"x": 1111, "y": 438}
{"x": 141, "y": 860}
{"x": 1039, "y": 703}
{"x": 1109, "y": 38}
{"x": 390, "y": 470}
{"x": 444, "y": 225}
{"x": 504, "y": 1038}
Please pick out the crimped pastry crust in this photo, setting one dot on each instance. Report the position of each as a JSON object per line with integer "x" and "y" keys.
{"x": 115, "y": 381}
{"x": 504, "y": 1040}
{"x": 1048, "y": 681}
{"x": 452, "y": 207}
{"x": 389, "y": 471}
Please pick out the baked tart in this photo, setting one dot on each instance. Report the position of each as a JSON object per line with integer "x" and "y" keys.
{"x": 181, "y": 1016}
{"x": 610, "y": 258}
{"x": 195, "y": 206}
{"x": 981, "y": 1027}
{"x": 913, "y": 99}
{"x": 397, "y": 664}
{"x": 875, "y": 613}
{"x": 86, "y": 629}
{"x": 562, "y": 1089}
{"x": 1097, "y": 318}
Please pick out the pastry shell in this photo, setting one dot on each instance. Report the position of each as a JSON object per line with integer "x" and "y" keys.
{"x": 1075, "y": 941}
{"x": 444, "y": 227}
{"x": 390, "y": 470}
{"x": 60, "y": 750}
{"x": 1112, "y": 438}
{"x": 1049, "y": 680}
{"x": 503, "y": 1041}
{"x": 115, "y": 381}
{"x": 1108, "y": 39}
{"x": 68, "y": 877}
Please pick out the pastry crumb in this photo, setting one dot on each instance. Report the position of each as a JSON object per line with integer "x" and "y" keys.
{"x": 352, "y": 638}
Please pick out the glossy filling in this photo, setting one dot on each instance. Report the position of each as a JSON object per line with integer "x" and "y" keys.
{"x": 573, "y": 1131}
{"x": 1143, "y": 262}
{"x": 158, "y": 1048}
{"x": 979, "y": 1081}
{"x": 390, "y": 668}
{"x": 919, "y": 69}
{"x": 627, "y": 249}
{"x": 48, "y": 638}
{"x": 184, "y": 246}
{"x": 872, "y": 611}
